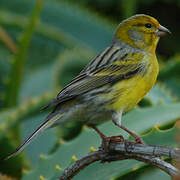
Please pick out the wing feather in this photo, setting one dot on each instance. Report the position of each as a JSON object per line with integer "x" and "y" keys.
{"x": 115, "y": 63}
{"x": 96, "y": 79}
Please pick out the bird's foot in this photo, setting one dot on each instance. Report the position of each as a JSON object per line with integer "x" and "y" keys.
{"x": 139, "y": 140}
{"x": 107, "y": 140}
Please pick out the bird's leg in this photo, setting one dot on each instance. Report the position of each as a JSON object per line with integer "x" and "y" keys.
{"x": 117, "y": 121}
{"x": 106, "y": 140}
{"x": 98, "y": 131}
{"x": 137, "y": 138}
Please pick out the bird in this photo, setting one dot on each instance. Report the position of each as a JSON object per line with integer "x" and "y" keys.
{"x": 112, "y": 83}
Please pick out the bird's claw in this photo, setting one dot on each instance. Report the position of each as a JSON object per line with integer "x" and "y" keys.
{"x": 139, "y": 140}
{"x": 107, "y": 140}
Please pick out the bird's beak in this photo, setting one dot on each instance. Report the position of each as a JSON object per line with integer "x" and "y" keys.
{"x": 162, "y": 31}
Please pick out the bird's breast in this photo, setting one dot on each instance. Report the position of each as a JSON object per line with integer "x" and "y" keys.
{"x": 127, "y": 93}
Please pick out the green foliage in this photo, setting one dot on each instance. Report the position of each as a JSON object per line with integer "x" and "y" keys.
{"x": 170, "y": 75}
{"x": 19, "y": 60}
{"x": 78, "y": 58}
{"x": 55, "y": 41}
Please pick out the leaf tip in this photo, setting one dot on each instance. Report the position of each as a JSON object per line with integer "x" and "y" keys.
{"x": 46, "y": 95}
{"x": 58, "y": 168}
{"x": 156, "y": 127}
{"x": 34, "y": 101}
{"x": 13, "y": 116}
{"x": 23, "y": 107}
{"x": 85, "y": 127}
{"x": 42, "y": 156}
{"x": 61, "y": 141}
{"x": 92, "y": 149}
{"x": 74, "y": 158}
{"x": 24, "y": 171}
{"x": 41, "y": 177}
{"x": 134, "y": 169}
{"x": 3, "y": 126}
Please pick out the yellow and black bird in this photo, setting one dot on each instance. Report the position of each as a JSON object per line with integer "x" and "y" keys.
{"x": 113, "y": 82}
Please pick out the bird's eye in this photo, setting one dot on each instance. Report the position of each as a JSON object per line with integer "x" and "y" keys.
{"x": 148, "y": 25}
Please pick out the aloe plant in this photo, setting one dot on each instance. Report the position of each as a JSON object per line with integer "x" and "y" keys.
{"x": 54, "y": 42}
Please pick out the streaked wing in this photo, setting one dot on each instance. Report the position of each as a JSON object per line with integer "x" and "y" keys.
{"x": 84, "y": 83}
{"x": 109, "y": 55}
{"x": 115, "y": 63}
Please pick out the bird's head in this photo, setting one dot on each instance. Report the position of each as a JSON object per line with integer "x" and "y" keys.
{"x": 140, "y": 31}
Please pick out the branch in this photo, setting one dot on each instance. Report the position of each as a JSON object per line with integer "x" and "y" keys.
{"x": 126, "y": 150}
{"x": 133, "y": 148}
{"x": 7, "y": 40}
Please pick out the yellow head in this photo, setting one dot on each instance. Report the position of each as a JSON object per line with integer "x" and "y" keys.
{"x": 140, "y": 31}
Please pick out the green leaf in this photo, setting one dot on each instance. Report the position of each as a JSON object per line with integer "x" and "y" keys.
{"x": 20, "y": 57}
{"x": 84, "y": 27}
{"x": 169, "y": 75}
{"x": 37, "y": 83}
{"x": 171, "y": 69}
{"x": 4, "y": 73}
{"x": 145, "y": 172}
{"x": 173, "y": 85}
{"x": 10, "y": 117}
{"x": 13, "y": 167}
{"x": 129, "y": 8}
{"x": 154, "y": 174}
{"x": 69, "y": 64}
{"x": 160, "y": 94}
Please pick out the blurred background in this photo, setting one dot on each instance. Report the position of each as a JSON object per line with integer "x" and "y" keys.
{"x": 43, "y": 45}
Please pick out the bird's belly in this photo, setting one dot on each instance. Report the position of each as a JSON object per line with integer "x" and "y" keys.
{"x": 91, "y": 111}
{"x": 129, "y": 92}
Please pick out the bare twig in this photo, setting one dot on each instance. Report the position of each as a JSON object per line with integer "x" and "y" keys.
{"x": 127, "y": 150}
{"x": 8, "y": 40}
{"x": 142, "y": 149}
{"x": 78, "y": 165}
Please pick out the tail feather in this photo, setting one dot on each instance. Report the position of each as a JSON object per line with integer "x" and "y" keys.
{"x": 51, "y": 119}
{"x": 52, "y": 103}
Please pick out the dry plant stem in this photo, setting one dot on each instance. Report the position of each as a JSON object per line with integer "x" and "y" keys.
{"x": 142, "y": 149}
{"x": 78, "y": 165}
{"x": 127, "y": 150}
{"x": 7, "y": 40}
